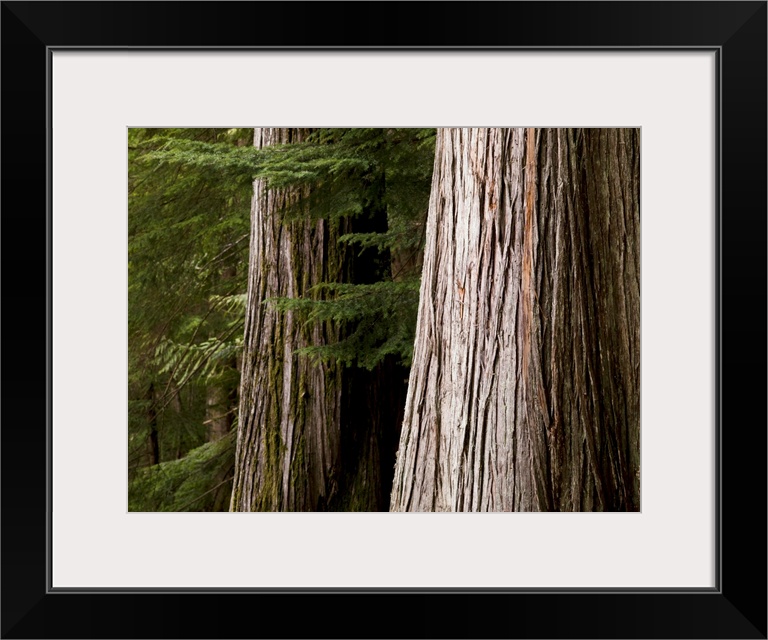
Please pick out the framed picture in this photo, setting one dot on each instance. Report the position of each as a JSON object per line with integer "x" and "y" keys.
{"x": 689, "y": 77}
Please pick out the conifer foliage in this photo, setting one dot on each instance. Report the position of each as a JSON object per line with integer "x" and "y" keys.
{"x": 188, "y": 239}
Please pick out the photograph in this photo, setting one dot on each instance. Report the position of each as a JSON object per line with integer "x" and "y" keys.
{"x": 384, "y": 319}
{"x": 380, "y": 269}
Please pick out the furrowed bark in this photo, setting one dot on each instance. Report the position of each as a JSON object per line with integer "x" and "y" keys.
{"x": 288, "y": 436}
{"x": 524, "y": 389}
{"x": 311, "y": 436}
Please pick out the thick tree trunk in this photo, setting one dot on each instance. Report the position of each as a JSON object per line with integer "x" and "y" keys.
{"x": 311, "y": 436}
{"x": 288, "y": 436}
{"x": 524, "y": 389}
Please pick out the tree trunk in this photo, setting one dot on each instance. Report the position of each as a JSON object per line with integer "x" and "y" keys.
{"x": 218, "y": 411}
{"x": 154, "y": 439}
{"x": 220, "y": 396}
{"x": 288, "y": 439}
{"x": 524, "y": 389}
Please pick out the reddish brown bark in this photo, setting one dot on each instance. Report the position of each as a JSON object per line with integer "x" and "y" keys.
{"x": 524, "y": 392}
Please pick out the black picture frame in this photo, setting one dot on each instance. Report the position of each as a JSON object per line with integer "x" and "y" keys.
{"x": 736, "y": 608}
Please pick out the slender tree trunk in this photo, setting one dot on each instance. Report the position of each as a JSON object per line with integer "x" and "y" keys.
{"x": 154, "y": 440}
{"x": 524, "y": 389}
{"x": 221, "y": 397}
{"x": 174, "y": 403}
{"x": 218, "y": 412}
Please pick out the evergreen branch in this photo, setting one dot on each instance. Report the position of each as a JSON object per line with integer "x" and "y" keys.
{"x": 190, "y": 344}
{"x": 182, "y": 383}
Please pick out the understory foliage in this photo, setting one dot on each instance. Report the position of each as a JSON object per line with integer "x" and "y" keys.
{"x": 200, "y": 481}
{"x": 190, "y": 194}
{"x": 188, "y": 244}
{"x": 376, "y": 180}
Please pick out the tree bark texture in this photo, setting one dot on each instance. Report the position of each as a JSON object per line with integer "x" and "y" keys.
{"x": 218, "y": 411}
{"x": 311, "y": 436}
{"x": 288, "y": 435}
{"x": 524, "y": 391}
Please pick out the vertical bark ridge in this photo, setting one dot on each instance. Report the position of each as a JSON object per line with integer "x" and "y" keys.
{"x": 524, "y": 392}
